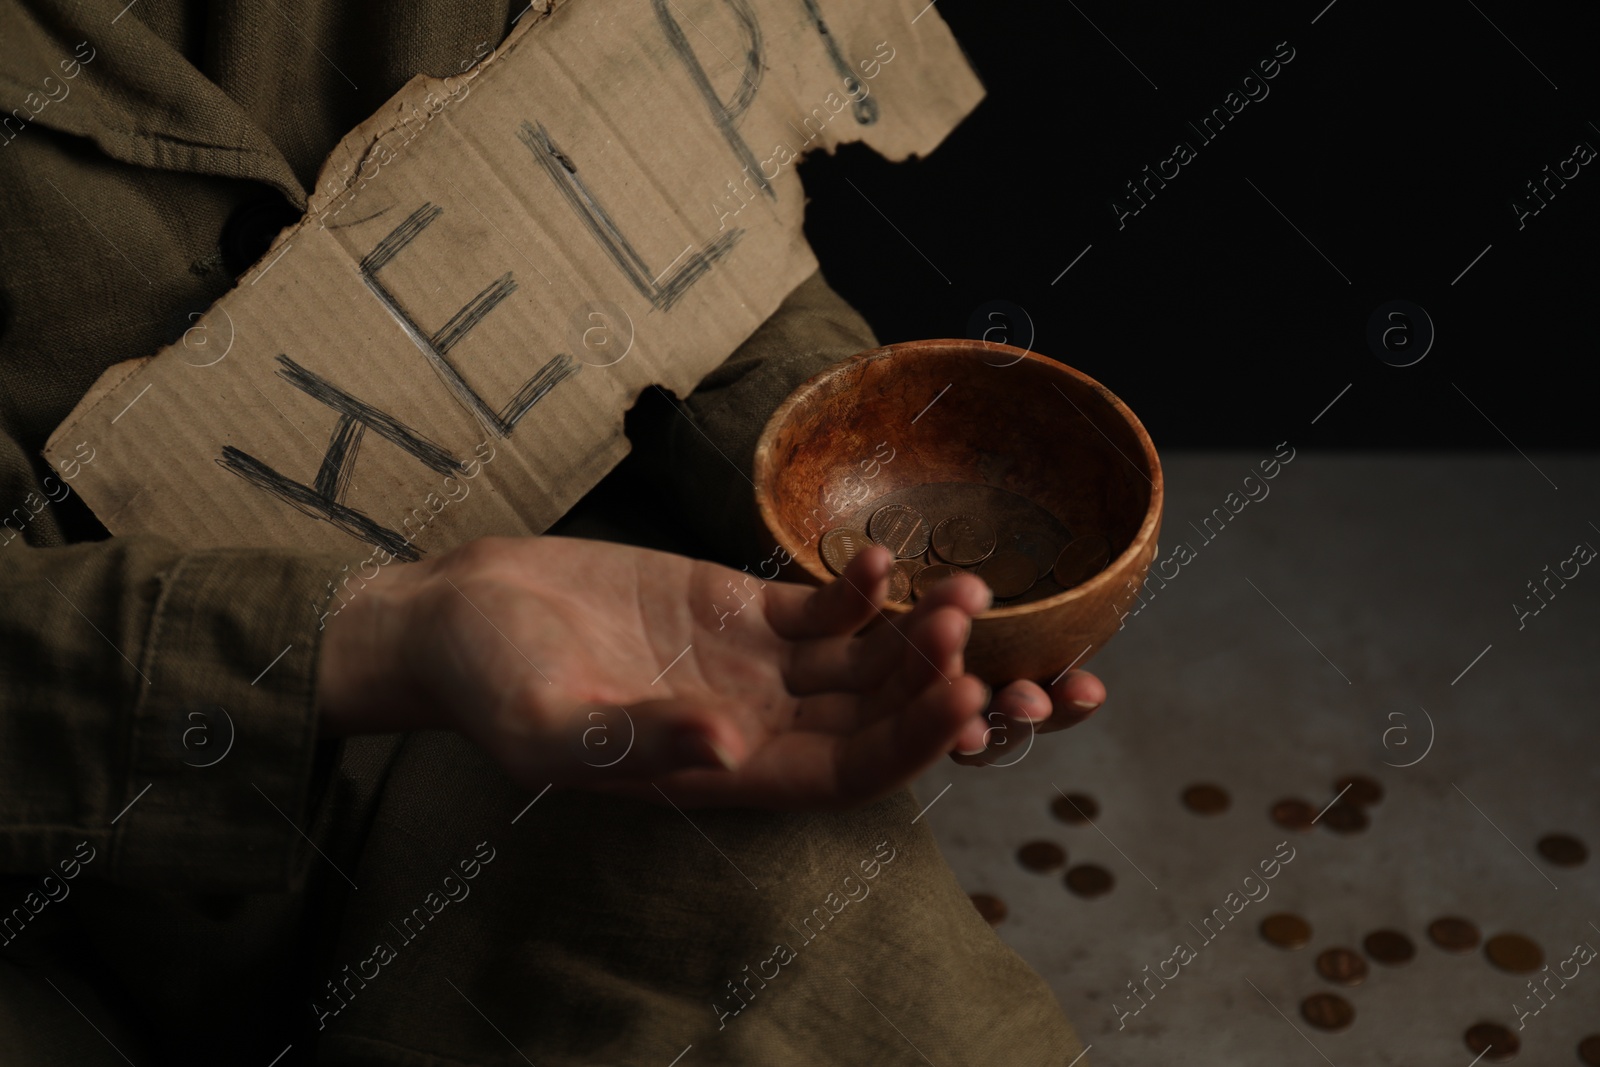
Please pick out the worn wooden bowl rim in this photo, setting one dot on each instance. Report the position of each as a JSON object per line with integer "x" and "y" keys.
{"x": 1115, "y": 571}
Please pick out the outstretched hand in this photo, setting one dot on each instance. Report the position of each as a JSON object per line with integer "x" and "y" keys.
{"x": 607, "y": 666}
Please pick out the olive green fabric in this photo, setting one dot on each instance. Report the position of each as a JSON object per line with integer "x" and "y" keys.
{"x": 161, "y": 901}
{"x": 608, "y": 932}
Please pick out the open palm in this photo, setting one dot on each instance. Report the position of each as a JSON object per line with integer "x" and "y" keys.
{"x": 590, "y": 663}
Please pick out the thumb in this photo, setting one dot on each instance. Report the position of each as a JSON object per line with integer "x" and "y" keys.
{"x": 656, "y": 737}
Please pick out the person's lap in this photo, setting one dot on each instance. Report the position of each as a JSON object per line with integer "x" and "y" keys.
{"x": 601, "y": 930}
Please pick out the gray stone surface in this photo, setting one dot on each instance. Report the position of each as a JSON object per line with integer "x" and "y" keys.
{"x": 1387, "y": 577}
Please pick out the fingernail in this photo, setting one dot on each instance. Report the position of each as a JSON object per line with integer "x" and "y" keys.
{"x": 973, "y": 751}
{"x": 697, "y": 750}
{"x": 1085, "y": 705}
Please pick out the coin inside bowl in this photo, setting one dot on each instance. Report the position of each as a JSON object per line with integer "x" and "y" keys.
{"x": 977, "y": 456}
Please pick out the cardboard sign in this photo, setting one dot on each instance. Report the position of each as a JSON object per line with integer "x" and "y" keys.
{"x": 494, "y": 266}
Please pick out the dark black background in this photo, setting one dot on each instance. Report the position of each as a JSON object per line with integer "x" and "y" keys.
{"x": 1395, "y": 140}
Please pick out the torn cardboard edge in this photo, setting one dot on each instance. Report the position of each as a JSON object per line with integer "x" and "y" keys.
{"x": 398, "y": 113}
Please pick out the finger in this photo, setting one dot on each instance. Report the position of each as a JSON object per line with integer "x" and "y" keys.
{"x": 646, "y": 740}
{"x": 901, "y": 667}
{"x": 822, "y": 771}
{"x": 1013, "y": 712}
{"x": 1022, "y": 701}
{"x": 966, "y": 591}
{"x": 837, "y": 664}
{"x": 973, "y": 739}
{"x": 857, "y": 664}
{"x": 932, "y": 656}
{"x": 1074, "y": 697}
{"x": 927, "y": 648}
{"x": 841, "y": 607}
{"x": 1004, "y": 744}
{"x": 897, "y": 748}
{"x": 936, "y": 647}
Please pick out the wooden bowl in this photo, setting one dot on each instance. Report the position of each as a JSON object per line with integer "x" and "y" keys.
{"x": 963, "y": 411}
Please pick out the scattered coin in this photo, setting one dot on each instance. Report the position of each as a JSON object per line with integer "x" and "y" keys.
{"x": 991, "y": 907}
{"x": 1453, "y": 934}
{"x": 1088, "y": 880}
{"x": 840, "y": 546}
{"x": 1008, "y": 573}
{"x": 1492, "y": 1041}
{"x": 1041, "y": 856}
{"x": 900, "y": 578}
{"x": 900, "y": 529}
{"x": 928, "y": 577}
{"x": 1286, "y": 930}
{"x": 1327, "y": 1011}
{"x": 1081, "y": 560}
{"x": 1341, "y": 965}
{"x": 1363, "y": 790}
{"x": 1345, "y": 818}
{"x": 964, "y": 540}
{"x": 1075, "y": 808}
{"x": 1589, "y": 1050}
{"x": 1389, "y": 947}
{"x": 1563, "y": 851}
{"x": 1206, "y": 799}
{"x": 1514, "y": 953}
{"x": 1292, "y": 813}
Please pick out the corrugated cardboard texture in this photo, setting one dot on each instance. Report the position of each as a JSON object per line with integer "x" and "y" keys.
{"x": 493, "y": 267}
